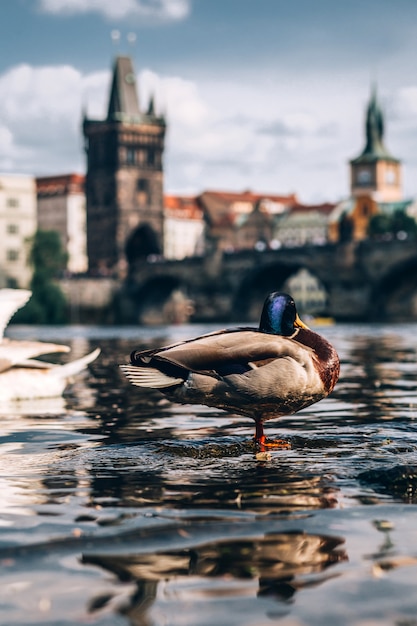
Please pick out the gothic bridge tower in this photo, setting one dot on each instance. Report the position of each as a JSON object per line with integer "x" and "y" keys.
{"x": 124, "y": 181}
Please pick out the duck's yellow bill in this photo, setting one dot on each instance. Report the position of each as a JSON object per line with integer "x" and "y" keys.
{"x": 299, "y": 324}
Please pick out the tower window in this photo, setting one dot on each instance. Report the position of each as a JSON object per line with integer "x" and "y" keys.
{"x": 364, "y": 177}
{"x": 151, "y": 156}
{"x": 142, "y": 184}
{"x": 130, "y": 156}
{"x": 390, "y": 177}
{"x": 143, "y": 189}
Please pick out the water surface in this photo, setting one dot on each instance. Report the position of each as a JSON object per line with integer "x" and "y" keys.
{"x": 119, "y": 508}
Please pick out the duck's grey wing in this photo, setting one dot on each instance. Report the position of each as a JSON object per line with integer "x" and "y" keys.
{"x": 221, "y": 350}
{"x": 10, "y": 301}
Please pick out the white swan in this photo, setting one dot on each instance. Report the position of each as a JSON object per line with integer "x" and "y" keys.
{"x": 23, "y": 377}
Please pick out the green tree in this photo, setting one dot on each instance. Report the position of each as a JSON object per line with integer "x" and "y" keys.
{"x": 379, "y": 225}
{"x": 47, "y": 304}
{"x": 383, "y": 225}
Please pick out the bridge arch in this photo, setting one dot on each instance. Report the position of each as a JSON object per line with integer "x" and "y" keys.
{"x": 163, "y": 300}
{"x": 257, "y": 283}
{"x": 141, "y": 243}
{"x": 395, "y": 295}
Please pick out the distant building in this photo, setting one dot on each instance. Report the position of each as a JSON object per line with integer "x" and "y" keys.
{"x": 183, "y": 227}
{"x": 303, "y": 224}
{"x": 238, "y": 221}
{"x": 17, "y": 227}
{"x": 124, "y": 181}
{"x": 61, "y": 207}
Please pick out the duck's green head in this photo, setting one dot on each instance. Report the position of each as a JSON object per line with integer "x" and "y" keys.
{"x": 279, "y": 315}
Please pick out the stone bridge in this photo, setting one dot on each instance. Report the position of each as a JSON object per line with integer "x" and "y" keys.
{"x": 364, "y": 281}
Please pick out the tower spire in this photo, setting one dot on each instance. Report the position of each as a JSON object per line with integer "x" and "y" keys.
{"x": 375, "y": 127}
{"x": 124, "y": 101}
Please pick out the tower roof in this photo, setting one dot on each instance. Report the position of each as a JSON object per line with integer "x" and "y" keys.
{"x": 375, "y": 149}
{"x": 124, "y": 101}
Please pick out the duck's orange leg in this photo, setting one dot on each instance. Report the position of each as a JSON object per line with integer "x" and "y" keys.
{"x": 262, "y": 442}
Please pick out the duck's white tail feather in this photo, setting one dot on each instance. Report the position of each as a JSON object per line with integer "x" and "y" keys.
{"x": 73, "y": 367}
{"x": 149, "y": 377}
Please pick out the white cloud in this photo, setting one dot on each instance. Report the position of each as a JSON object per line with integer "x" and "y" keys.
{"x": 214, "y": 137}
{"x": 231, "y": 136}
{"x": 164, "y": 10}
{"x": 202, "y": 139}
{"x": 404, "y": 103}
{"x": 40, "y": 111}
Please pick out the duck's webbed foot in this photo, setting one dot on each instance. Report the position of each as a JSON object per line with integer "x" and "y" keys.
{"x": 274, "y": 443}
{"x": 263, "y": 443}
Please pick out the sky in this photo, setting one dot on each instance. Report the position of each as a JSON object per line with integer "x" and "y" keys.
{"x": 267, "y": 95}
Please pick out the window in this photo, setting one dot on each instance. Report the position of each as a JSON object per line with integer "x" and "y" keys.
{"x": 390, "y": 177}
{"x": 130, "y": 156}
{"x": 12, "y": 255}
{"x": 364, "y": 176}
{"x": 12, "y": 203}
{"x": 142, "y": 187}
{"x": 12, "y": 229}
{"x": 151, "y": 156}
{"x": 142, "y": 184}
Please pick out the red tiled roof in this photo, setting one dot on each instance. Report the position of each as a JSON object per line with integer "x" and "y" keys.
{"x": 222, "y": 207}
{"x": 326, "y": 208}
{"x": 249, "y": 196}
{"x": 60, "y": 185}
{"x": 186, "y": 207}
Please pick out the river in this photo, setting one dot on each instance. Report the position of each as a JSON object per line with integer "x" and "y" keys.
{"x": 118, "y": 508}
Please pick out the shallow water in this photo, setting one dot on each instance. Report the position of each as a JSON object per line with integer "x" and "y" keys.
{"x": 119, "y": 508}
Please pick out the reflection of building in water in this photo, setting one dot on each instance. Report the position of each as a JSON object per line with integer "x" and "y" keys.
{"x": 277, "y": 561}
{"x": 307, "y": 291}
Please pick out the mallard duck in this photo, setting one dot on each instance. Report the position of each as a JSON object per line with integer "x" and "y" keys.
{"x": 263, "y": 373}
{"x": 21, "y": 375}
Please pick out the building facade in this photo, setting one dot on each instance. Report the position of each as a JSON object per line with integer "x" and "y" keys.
{"x": 124, "y": 180}
{"x": 241, "y": 221}
{"x": 17, "y": 227}
{"x": 183, "y": 227}
{"x": 61, "y": 207}
{"x": 303, "y": 224}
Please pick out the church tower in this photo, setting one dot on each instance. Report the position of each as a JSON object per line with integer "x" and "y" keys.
{"x": 124, "y": 181}
{"x": 375, "y": 172}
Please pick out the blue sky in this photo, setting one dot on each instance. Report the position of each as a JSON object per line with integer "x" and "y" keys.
{"x": 262, "y": 94}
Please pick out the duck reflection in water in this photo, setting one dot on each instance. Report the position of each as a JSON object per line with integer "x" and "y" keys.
{"x": 281, "y": 563}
